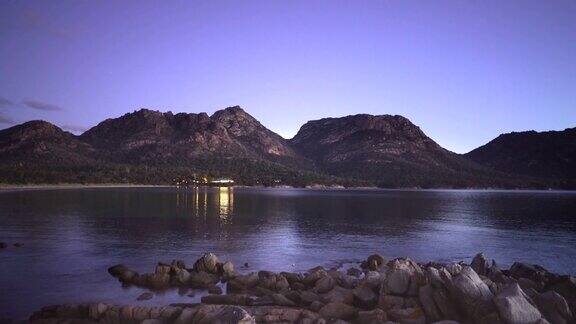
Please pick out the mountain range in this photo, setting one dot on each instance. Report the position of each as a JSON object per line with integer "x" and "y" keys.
{"x": 152, "y": 147}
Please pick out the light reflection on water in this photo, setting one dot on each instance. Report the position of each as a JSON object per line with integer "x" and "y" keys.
{"x": 72, "y": 236}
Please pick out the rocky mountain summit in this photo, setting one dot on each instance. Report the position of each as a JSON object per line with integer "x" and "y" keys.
{"x": 155, "y": 137}
{"x": 540, "y": 154}
{"x": 377, "y": 291}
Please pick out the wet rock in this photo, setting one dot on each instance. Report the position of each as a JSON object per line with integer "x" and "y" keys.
{"x": 265, "y": 300}
{"x": 529, "y": 271}
{"x": 207, "y": 263}
{"x": 228, "y": 269}
{"x": 180, "y": 276}
{"x": 526, "y": 284}
{"x": 292, "y": 277}
{"x": 337, "y": 310}
{"x": 453, "y": 268}
{"x": 472, "y": 294}
{"x": 372, "y": 279}
{"x": 230, "y": 299}
{"x": 215, "y": 290}
{"x": 324, "y": 284}
{"x": 566, "y": 286}
{"x": 426, "y": 297}
{"x": 294, "y": 296}
{"x": 182, "y": 291}
{"x": 348, "y": 282}
{"x": 514, "y": 307}
{"x": 186, "y": 316}
{"x": 413, "y": 315}
{"x": 364, "y": 297}
{"x": 209, "y": 314}
{"x": 279, "y": 314}
{"x": 387, "y": 302}
{"x": 480, "y": 264}
{"x": 153, "y": 280}
{"x": 123, "y": 274}
{"x": 272, "y": 282}
{"x": 494, "y": 287}
{"x": 18, "y": 244}
{"x": 261, "y": 291}
{"x": 354, "y": 272}
{"x": 165, "y": 313}
{"x": 298, "y": 286}
{"x": 141, "y": 313}
{"x": 281, "y": 300}
{"x": 554, "y": 307}
{"x": 151, "y": 321}
{"x": 96, "y": 311}
{"x": 263, "y": 274}
{"x": 445, "y": 305}
{"x": 281, "y": 283}
{"x": 308, "y": 297}
{"x": 434, "y": 277}
{"x": 202, "y": 279}
{"x": 145, "y": 296}
{"x": 375, "y": 316}
{"x": 334, "y": 273}
{"x": 338, "y": 294}
{"x": 313, "y": 276}
{"x": 117, "y": 270}
{"x": 162, "y": 268}
{"x": 373, "y": 263}
{"x": 403, "y": 277}
{"x": 241, "y": 283}
{"x": 316, "y": 305}
{"x": 178, "y": 264}
{"x": 495, "y": 274}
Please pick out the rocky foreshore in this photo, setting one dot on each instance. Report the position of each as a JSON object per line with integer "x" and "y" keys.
{"x": 378, "y": 291}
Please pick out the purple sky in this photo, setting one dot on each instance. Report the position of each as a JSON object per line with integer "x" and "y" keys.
{"x": 464, "y": 71}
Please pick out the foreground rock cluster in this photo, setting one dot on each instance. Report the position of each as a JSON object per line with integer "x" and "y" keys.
{"x": 381, "y": 291}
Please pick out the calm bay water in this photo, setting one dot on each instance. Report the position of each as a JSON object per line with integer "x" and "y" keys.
{"x": 71, "y": 236}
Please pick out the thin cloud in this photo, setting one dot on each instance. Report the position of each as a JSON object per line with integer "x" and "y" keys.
{"x": 6, "y": 120}
{"x": 5, "y": 102}
{"x": 39, "y": 105}
{"x": 77, "y": 129}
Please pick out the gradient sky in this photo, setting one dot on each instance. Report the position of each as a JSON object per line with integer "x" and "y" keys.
{"x": 464, "y": 71}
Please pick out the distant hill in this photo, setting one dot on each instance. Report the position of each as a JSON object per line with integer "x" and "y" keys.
{"x": 550, "y": 155}
{"x": 43, "y": 143}
{"x": 153, "y": 147}
{"x": 390, "y": 151}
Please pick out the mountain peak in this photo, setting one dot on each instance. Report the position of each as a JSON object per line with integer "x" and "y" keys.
{"x": 234, "y": 109}
{"x": 230, "y": 112}
{"x": 336, "y": 129}
{"x": 36, "y": 128}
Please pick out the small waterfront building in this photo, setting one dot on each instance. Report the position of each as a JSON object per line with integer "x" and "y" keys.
{"x": 222, "y": 182}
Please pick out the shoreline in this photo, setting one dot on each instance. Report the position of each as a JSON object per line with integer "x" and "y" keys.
{"x": 75, "y": 186}
{"x": 376, "y": 290}
{"x": 14, "y": 187}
